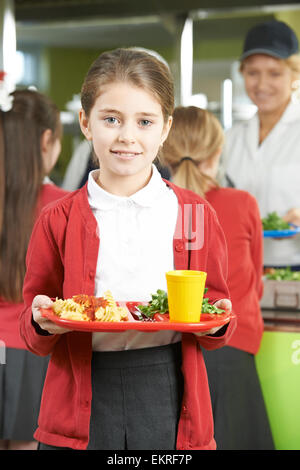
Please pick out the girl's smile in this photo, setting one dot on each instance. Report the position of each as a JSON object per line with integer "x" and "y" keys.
{"x": 126, "y": 155}
{"x": 126, "y": 126}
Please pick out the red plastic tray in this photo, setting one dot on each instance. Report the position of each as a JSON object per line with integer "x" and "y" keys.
{"x": 207, "y": 321}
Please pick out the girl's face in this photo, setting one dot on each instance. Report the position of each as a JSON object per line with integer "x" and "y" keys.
{"x": 127, "y": 128}
{"x": 268, "y": 82}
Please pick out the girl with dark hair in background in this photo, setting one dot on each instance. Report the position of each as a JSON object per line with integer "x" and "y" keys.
{"x": 30, "y": 134}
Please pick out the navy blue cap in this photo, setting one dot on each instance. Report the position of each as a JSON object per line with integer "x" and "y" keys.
{"x": 274, "y": 38}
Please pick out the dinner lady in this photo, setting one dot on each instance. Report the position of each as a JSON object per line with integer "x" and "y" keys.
{"x": 262, "y": 155}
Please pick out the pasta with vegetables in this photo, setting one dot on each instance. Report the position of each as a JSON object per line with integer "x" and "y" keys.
{"x": 90, "y": 308}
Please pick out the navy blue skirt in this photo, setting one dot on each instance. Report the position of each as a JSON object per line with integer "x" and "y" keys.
{"x": 136, "y": 399}
{"x": 240, "y": 418}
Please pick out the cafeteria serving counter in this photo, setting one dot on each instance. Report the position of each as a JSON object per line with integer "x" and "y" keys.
{"x": 278, "y": 367}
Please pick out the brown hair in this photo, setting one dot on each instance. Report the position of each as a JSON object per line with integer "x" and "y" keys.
{"x": 21, "y": 176}
{"x": 198, "y": 135}
{"x": 129, "y": 65}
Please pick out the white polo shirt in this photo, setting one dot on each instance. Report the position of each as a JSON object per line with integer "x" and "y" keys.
{"x": 136, "y": 250}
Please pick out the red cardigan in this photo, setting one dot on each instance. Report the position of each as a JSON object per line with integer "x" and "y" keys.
{"x": 62, "y": 260}
{"x": 9, "y": 311}
{"x": 239, "y": 216}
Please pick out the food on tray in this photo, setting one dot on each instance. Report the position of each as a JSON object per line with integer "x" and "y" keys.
{"x": 282, "y": 274}
{"x": 158, "y": 309}
{"x": 209, "y": 308}
{"x": 90, "y": 308}
{"x": 274, "y": 222}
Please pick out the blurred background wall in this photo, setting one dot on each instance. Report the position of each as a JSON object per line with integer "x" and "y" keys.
{"x": 57, "y": 40}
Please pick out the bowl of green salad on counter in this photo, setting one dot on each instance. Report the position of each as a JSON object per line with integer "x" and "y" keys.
{"x": 275, "y": 227}
{"x": 281, "y": 289}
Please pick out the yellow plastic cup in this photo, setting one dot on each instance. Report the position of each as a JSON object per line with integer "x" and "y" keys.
{"x": 185, "y": 295}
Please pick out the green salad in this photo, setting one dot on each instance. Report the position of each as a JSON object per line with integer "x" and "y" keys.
{"x": 283, "y": 274}
{"x": 159, "y": 304}
{"x": 209, "y": 308}
{"x": 274, "y": 222}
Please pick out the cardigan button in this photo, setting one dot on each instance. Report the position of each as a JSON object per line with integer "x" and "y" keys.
{"x": 91, "y": 274}
{"x": 184, "y": 409}
{"x": 179, "y": 246}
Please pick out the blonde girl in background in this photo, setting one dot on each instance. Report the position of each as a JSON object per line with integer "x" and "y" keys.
{"x": 118, "y": 233}
{"x": 192, "y": 153}
{"x": 30, "y": 134}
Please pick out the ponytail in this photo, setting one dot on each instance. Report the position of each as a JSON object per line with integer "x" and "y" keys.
{"x": 188, "y": 175}
{"x": 195, "y": 137}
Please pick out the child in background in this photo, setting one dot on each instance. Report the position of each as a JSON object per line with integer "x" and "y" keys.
{"x": 192, "y": 152}
{"x": 30, "y": 134}
{"x": 118, "y": 233}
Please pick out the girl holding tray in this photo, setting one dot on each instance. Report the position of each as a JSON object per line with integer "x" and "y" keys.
{"x": 30, "y": 134}
{"x": 192, "y": 152}
{"x": 122, "y": 232}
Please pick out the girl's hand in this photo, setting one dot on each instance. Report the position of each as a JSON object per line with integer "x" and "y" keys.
{"x": 224, "y": 304}
{"x": 292, "y": 216}
{"x": 42, "y": 301}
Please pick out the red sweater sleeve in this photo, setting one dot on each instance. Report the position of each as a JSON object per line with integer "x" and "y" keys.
{"x": 217, "y": 261}
{"x": 44, "y": 275}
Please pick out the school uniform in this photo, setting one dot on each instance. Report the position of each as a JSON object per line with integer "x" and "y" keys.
{"x": 92, "y": 241}
{"x": 239, "y": 216}
{"x": 270, "y": 172}
{"x": 240, "y": 417}
{"x": 21, "y": 373}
